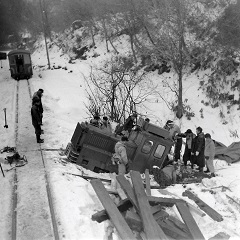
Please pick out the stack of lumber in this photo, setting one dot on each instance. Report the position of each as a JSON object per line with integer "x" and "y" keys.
{"x": 142, "y": 216}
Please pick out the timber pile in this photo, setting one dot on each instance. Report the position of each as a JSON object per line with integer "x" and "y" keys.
{"x": 142, "y": 216}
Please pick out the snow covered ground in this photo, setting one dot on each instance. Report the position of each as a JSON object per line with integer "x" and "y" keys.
{"x": 74, "y": 198}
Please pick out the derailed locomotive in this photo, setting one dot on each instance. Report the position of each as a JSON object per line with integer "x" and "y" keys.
{"x": 92, "y": 147}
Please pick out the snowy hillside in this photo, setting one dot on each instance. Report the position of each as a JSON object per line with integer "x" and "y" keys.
{"x": 221, "y": 123}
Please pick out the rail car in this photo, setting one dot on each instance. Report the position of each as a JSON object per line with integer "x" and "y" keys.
{"x": 20, "y": 64}
{"x": 92, "y": 147}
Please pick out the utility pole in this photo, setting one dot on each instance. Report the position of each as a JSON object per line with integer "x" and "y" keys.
{"x": 44, "y": 32}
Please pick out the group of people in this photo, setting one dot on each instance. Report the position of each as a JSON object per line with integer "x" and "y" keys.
{"x": 37, "y": 114}
{"x": 103, "y": 124}
{"x": 199, "y": 148}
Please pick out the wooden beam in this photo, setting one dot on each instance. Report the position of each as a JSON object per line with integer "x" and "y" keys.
{"x": 89, "y": 177}
{"x": 102, "y": 215}
{"x": 156, "y": 208}
{"x": 179, "y": 224}
{"x": 168, "y": 202}
{"x": 147, "y": 182}
{"x": 191, "y": 207}
{"x": 116, "y": 217}
{"x": 206, "y": 208}
{"x": 150, "y": 226}
{"x": 160, "y": 215}
{"x": 128, "y": 190}
{"x": 134, "y": 221}
{"x": 189, "y": 221}
{"x": 173, "y": 231}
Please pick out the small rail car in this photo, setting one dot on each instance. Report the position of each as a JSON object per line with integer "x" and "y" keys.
{"x": 92, "y": 147}
{"x": 20, "y": 64}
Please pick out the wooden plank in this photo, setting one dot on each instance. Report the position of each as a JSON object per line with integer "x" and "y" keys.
{"x": 147, "y": 182}
{"x": 191, "y": 207}
{"x": 134, "y": 221}
{"x": 160, "y": 215}
{"x": 179, "y": 224}
{"x": 156, "y": 208}
{"x": 172, "y": 231}
{"x": 189, "y": 221}
{"x": 116, "y": 217}
{"x": 150, "y": 226}
{"x": 206, "y": 208}
{"x": 89, "y": 177}
{"x": 102, "y": 215}
{"x": 121, "y": 193}
{"x": 168, "y": 202}
{"x": 128, "y": 190}
{"x": 182, "y": 228}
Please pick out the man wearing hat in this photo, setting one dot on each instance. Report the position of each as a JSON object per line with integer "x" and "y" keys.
{"x": 187, "y": 156}
{"x": 38, "y": 95}
{"x": 129, "y": 124}
{"x": 121, "y": 155}
{"x": 198, "y": 149}
{"x": 96, "y": 121}
{"x": 174, "y": 130}
{"x": 36, "y": 119}
{"x": 106, "y": 125}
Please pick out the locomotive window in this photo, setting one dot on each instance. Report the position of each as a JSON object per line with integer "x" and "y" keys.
{"x": 147, "y": 146}
{"x": 27, "y": 59}
{"x": 12, "y": 60}
{"x": 159, "y": 151}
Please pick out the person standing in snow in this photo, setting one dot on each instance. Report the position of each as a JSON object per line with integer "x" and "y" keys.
{"x": 129, "y": 124}
{"x": 36, "y": 119}
{"x": 121, "y": 155}
{"x": 38, "y": 95}
{"x": 198, "y": 149}
{"x": 106, "y": 125}
{"x": 174, "y": 130}
{"x": 209, "y": 153}
{"x": 189, "y": 135}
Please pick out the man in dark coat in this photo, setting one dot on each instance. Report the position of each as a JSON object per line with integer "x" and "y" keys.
{"x": 187, "y": 156}
{"x": 198, "y": 149}
{"x": 36, "y": 119}
{"x": 129, "y": 124}
{"x": 38, "y": 95}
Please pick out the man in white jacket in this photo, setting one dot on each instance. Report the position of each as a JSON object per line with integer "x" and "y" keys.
{"x": 174, "y": 130}
{"x": 121, "y": 153}
{"x": 209, "y": 153}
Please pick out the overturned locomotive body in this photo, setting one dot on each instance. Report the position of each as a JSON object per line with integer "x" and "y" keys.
{"x": 92, "y": 147}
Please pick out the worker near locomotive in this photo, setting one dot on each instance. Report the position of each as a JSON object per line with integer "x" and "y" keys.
{"x": 148, "y": 146}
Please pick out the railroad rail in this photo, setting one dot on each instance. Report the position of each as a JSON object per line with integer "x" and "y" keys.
{"x": 38, "y": 219}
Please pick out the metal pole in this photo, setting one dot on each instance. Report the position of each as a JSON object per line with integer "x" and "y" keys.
{"x": 44, "y": 31}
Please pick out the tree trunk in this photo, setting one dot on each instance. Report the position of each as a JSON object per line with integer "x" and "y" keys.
{"x": 132, "y": 47}
{"x": 92, "y": 35}
{"x": 180, "y": 102}
{"x": 112, "y": 101}
{"x": 106, "y": 35}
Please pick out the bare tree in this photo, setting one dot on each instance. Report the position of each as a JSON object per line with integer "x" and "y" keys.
{"x": 115, "y": 88}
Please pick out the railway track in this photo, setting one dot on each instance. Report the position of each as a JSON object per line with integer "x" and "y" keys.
{"x": 33, "y": 215}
